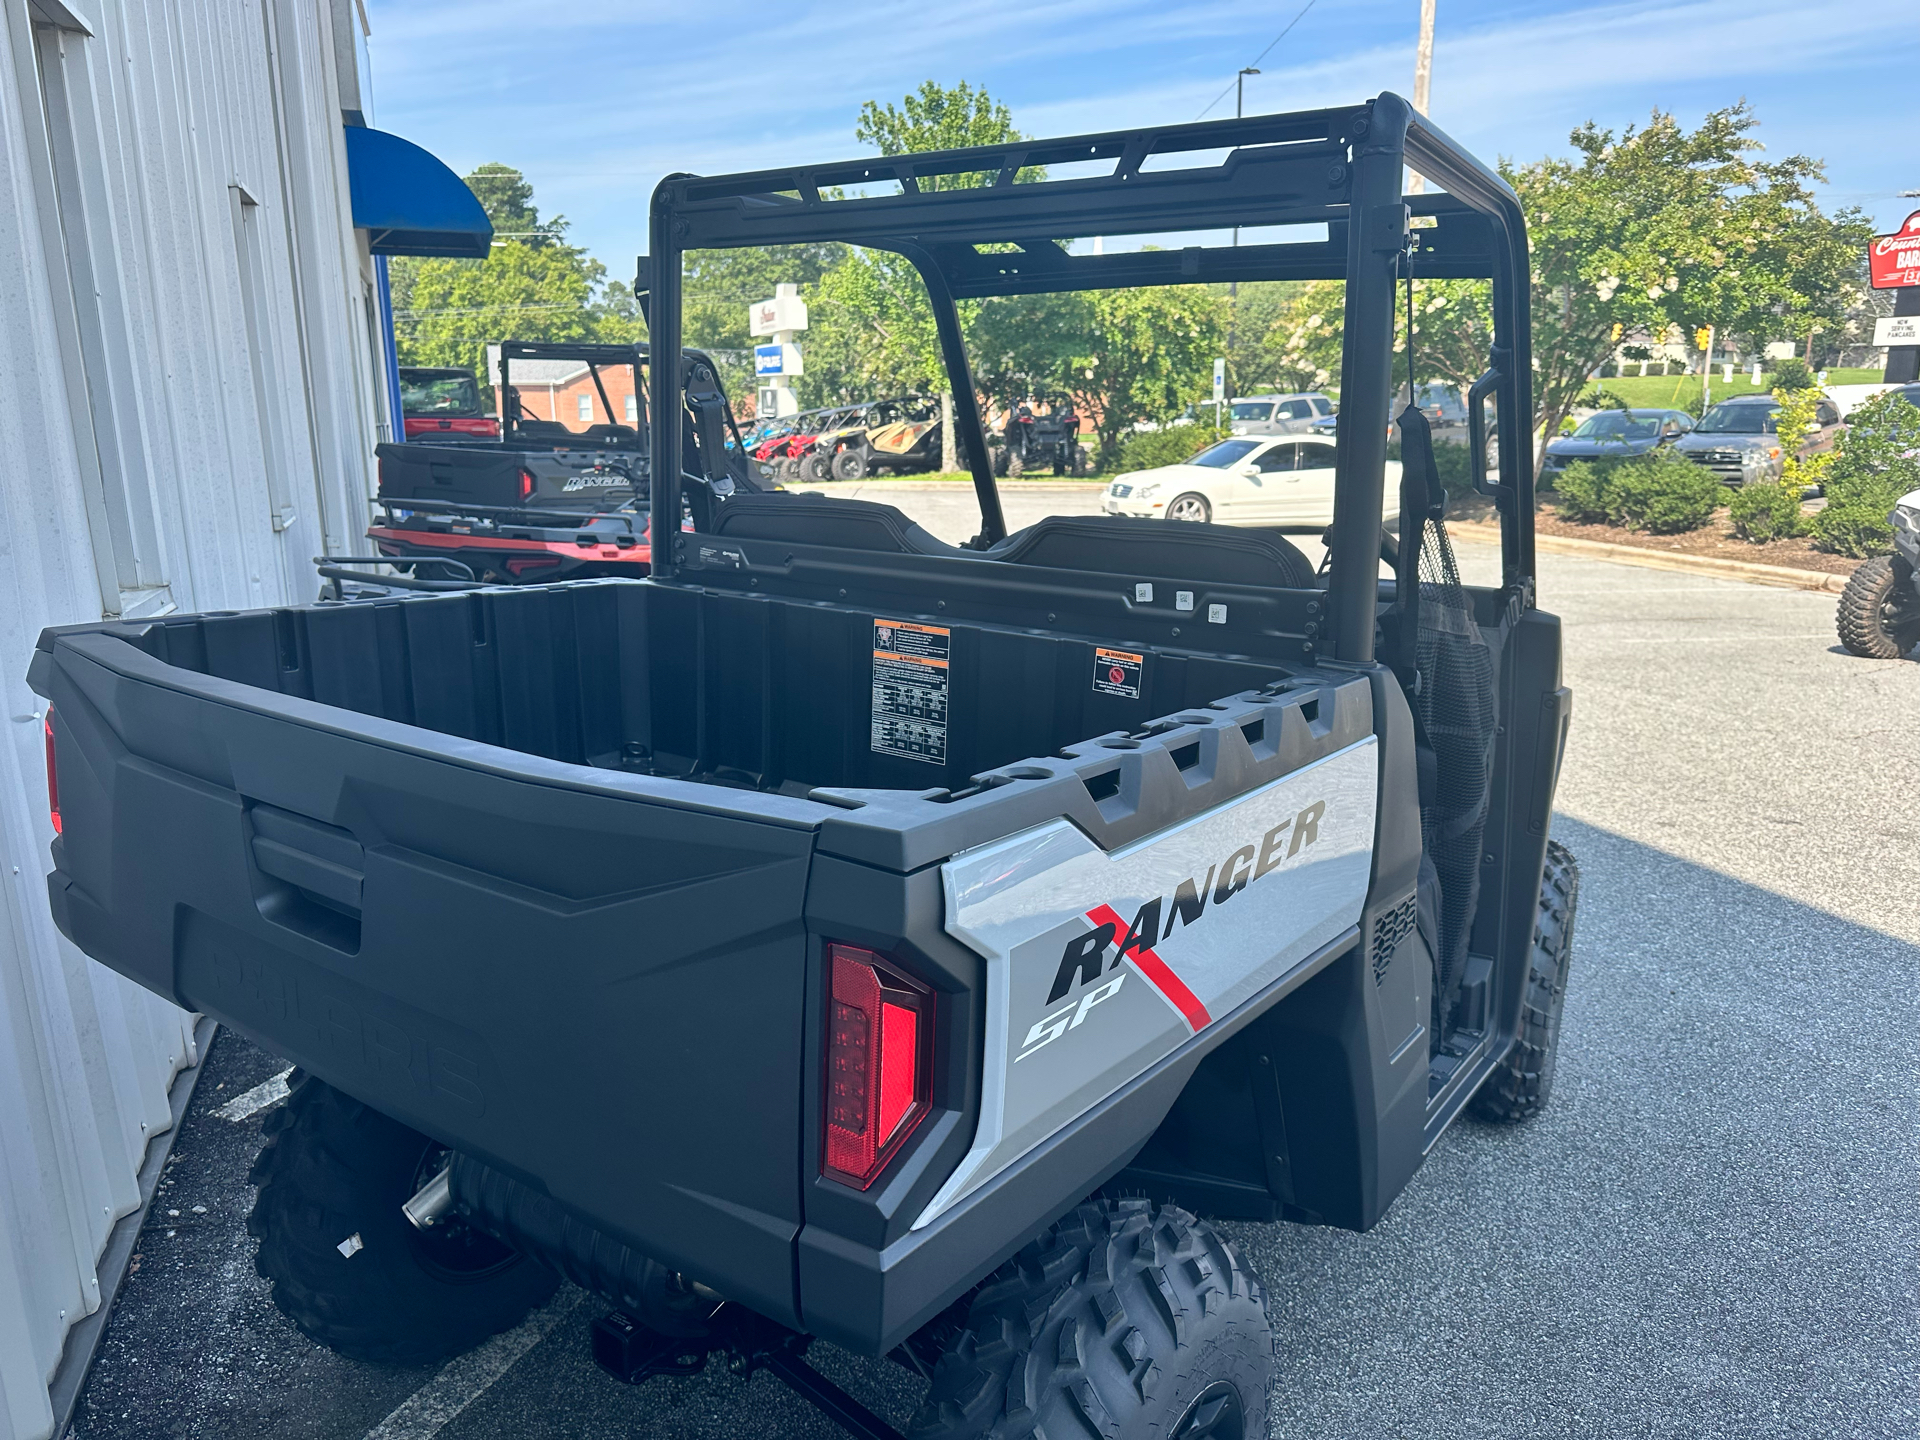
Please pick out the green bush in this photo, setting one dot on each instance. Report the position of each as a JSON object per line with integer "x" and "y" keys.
{"x": 1169, "y": 445}
{"x": 1450, "y": 459}
{"x": 1663, "y": 493}
{"x": 1858, "y": 528}
{"x": 1876, "y": 461}
{"x": 1660, "y": 492}
{"x": 1581, "y": 492}
{"x": 1763, "y": 512}
{"x": 1792, "y": 373}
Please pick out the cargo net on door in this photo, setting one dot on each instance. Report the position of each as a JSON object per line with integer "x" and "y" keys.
{"x": 1455, "y": 702}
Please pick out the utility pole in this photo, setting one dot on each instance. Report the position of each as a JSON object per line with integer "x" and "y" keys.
{"x": 1422, "y": 79}
{"x": 1233, "y": 286}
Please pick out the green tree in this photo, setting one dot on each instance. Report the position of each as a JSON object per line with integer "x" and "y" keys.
{"x": 1648, "y": 229}
{"x": 532, "y": 286}
{"x": 522, "y": 292}
{"x": 1301, "y": 348}
{"x": 1875, "y": 462}
{"x": 873, "y": 331}
{"x": 937, "y": 118}
{"x": 1148, "y": 354}
{"x": 718, "y": 287}
{"x": 507, "y": 197}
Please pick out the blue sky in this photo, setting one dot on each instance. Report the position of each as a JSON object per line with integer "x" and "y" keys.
{"x": 596, "y": 99}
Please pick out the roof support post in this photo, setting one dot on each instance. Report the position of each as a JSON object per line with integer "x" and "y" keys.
{"x": 966, "y": 409}
{"x": 664, "y": 461}
{"x": 1376, "y": 236}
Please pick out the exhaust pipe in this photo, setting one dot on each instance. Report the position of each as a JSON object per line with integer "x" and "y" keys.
{"x": 431, "y": 1205}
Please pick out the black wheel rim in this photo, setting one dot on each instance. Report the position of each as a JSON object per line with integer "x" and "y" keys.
{"x": 453, "y": 1250}
{"x": 1215, "y": 1414}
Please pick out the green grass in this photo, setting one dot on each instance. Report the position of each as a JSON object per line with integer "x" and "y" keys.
{"x": 1662, "y": 392}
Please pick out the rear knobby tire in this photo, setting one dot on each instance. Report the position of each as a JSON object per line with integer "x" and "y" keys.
{"x": 1016, "y": 465}
{"x": 1120, "y": 1321}
{"x": 334, "y": 1168}
{"x": 1521, "y": 1084}
{"x": 1879, "y": 615}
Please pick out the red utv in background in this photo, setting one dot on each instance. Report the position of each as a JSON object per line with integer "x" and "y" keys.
{"x": 440, "y": 404}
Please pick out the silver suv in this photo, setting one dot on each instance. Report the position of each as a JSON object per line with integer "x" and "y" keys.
{"x": 1277, "y": 414}
{"x": 1736, "y": 439}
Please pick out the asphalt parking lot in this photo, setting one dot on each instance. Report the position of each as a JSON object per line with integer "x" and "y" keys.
{"x": 1712, "y": 1231}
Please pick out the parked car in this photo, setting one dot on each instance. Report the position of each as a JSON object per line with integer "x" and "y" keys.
{"x": 443, "y": 404}
{"x": 1441, "y": 404}
{"x": 1244, "y": 480}
{"x": 1738, "y": 439}
{"x": 1277, "y": 414}
{"x": 1614, "y": 435}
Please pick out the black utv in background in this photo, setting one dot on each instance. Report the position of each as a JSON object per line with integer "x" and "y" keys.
{"x": 544, "y": 499}
{"x": 1051, "y": 438}
{"x": 841, "y": 933}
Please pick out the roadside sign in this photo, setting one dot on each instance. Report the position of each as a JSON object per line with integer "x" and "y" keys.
{"x": 1897, "y": 330}
{"x": 776, "y": 360}
{"x": 1219, "y": 381}
{"x": 770, "y": 317}
{"x": 1894, "y": 260}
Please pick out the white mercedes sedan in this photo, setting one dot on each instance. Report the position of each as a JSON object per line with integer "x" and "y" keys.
{"x": 1245, "y": 480}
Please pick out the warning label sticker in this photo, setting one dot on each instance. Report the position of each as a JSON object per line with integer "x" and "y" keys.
{"x": 1117, "y": 672}
{"x": 910, "y": 690}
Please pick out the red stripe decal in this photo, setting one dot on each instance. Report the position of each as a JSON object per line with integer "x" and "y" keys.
{"x": 1158, "y": 973}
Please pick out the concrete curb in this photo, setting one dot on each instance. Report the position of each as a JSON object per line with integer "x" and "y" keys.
{"x": 1783, "y": 577}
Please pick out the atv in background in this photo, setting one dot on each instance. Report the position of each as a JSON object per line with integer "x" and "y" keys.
{"x": 784, "y": 453}
{"x": 904, "y": 438}
{"x": 1029, "y": 441}
{"x": 550, "y": 499}
{"x": 443, "y": 405}
{"x": 1880, "y": 608}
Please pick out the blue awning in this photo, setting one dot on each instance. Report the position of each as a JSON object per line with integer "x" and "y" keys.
{"x": 408, "y": 202}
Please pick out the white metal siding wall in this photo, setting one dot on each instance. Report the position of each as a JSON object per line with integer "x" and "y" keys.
{"x": 165, "y": 440}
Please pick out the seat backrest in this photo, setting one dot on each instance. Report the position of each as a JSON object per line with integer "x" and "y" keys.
{"x": 1127, "y": 545}
{"x": 805, "y": 519}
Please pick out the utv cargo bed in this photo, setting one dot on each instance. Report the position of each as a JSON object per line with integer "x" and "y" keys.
{"x": 544, "y": 873}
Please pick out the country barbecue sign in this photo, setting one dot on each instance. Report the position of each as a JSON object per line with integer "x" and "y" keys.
{"x": 1895, "y": 259}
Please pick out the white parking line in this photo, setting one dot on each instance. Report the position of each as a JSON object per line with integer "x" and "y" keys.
{"x": 465, "y": 1378}
{"x": 267, "y": 1092}
{"x": 1695, "y": 639}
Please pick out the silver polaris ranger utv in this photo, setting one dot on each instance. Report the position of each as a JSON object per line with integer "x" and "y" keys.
{"x": 841, "y": 933}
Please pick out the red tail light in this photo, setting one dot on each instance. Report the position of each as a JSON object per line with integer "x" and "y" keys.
{"x": 879, "y": 1063}
{"x": 53, "y": 777}
{"x": 526, "y": 484}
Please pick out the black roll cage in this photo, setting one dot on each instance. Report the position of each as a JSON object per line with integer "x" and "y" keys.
{"x": 1341, "y": 167}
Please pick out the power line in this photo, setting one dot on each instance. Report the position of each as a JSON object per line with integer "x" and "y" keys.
{"x": 1261, "y": 56}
